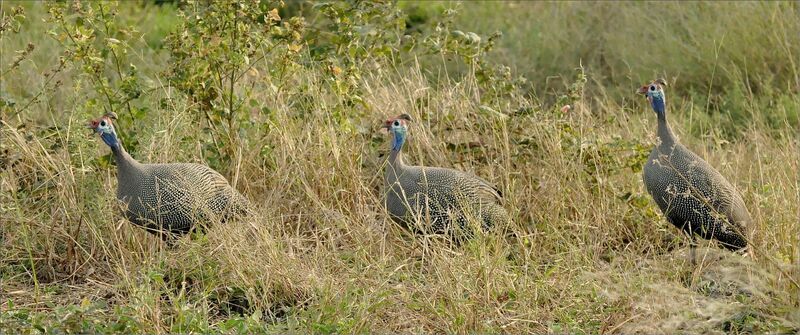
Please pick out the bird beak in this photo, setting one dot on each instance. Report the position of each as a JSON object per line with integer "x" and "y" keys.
{"x": 387, "y": 124}
{"x": 643, "y": 90}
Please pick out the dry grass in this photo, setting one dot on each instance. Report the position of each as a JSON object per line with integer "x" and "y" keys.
{"x": 587, "y": 252}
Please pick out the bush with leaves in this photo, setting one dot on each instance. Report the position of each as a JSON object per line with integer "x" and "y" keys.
{"x": 217, "y": 45}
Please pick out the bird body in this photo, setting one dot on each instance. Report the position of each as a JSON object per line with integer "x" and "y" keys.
{"x": 691, "y": 194}
{"x": 439, "y": 196}
{"x": 170, "y": 198}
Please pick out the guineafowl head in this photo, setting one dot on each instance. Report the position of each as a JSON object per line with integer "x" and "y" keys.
{"x": 105, "y": 127}
{"x": 654, "y": 92}
{"x": 398, "y": 126}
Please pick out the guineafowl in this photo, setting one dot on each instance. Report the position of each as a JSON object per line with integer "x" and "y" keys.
{"x": 691, "y": 194}
{"x": 169, "y": 199}
{"x": 443, "y": 198}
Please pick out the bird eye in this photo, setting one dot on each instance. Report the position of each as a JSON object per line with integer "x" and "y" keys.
{"x": 652, "y": 87}
{"x": 103, "y": 123}
{"x": 396, "y": 123}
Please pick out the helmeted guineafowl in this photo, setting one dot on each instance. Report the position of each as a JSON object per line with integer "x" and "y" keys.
{"x": 169, "y": 198}
{"x": 692, "y": 195}
{"x": 437, "y": 196}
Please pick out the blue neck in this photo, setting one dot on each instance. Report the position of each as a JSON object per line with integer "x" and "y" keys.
{"x": 659, "y": 106}
{"x": 664, "y": 132}
{"x": 399, "y": 139}
{"x": 111, "y": 141}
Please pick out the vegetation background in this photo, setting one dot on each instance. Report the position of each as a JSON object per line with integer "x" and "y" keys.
{"x": 285, "y": 100}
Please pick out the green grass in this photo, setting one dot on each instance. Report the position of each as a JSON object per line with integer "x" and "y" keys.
{"x": 588, "y": 251}
{"x": 732, "y": 60}
{"x": 700, "y": 45}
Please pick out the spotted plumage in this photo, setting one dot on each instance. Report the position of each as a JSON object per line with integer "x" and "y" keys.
{"x": 436, "y": 196}
{"x": 692, "y": 195}
{"x": 169, "y": 198}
